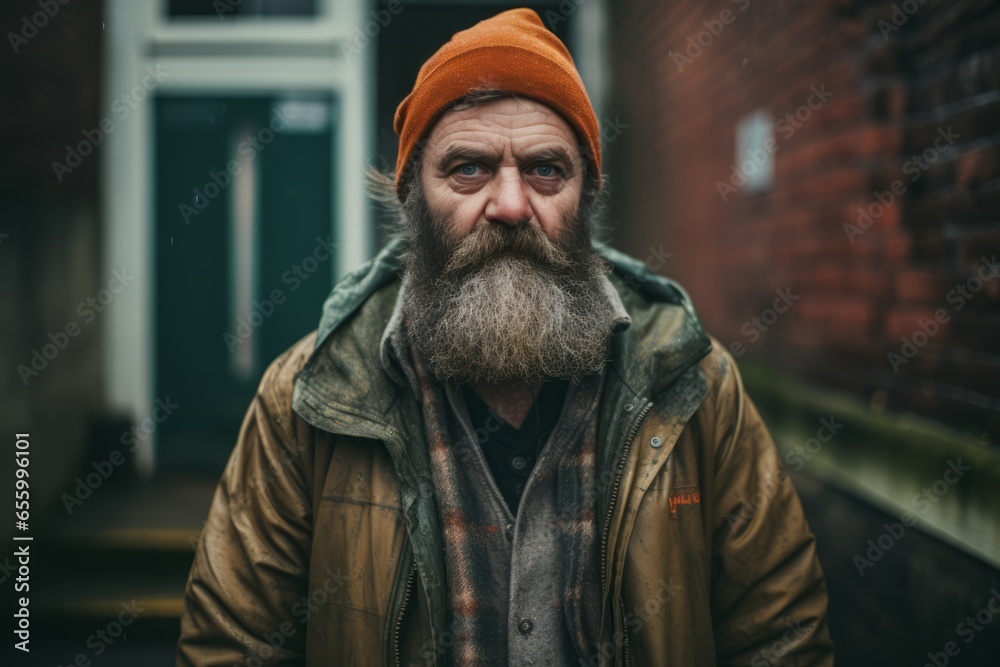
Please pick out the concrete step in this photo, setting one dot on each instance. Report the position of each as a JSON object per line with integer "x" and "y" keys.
{"x": 108, "y": 581}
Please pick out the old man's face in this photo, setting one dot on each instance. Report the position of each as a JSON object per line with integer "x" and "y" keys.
{"x": 510, "y": 161}
{"x": 502, "y": 284}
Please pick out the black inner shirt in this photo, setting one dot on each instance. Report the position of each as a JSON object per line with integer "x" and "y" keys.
{"x": 511, "y": 452}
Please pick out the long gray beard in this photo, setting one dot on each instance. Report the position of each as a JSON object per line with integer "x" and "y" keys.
{"x": 512, "y": 317}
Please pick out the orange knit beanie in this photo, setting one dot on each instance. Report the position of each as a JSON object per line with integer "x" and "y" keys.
{"x": 513, "y": 52}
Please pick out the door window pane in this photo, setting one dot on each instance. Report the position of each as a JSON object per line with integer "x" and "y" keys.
{"x": 244, "y": 9}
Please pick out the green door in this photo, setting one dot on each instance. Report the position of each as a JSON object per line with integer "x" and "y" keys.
{"x": 244, "y": 255}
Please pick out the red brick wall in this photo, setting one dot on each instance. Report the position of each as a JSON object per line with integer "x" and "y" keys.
{"x": 894, "y": 79}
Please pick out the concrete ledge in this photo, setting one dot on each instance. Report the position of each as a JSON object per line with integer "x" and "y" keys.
{"x": 944, "y": 482}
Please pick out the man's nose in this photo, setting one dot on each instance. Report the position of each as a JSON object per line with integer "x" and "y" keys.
{"x": 509, "y": 201}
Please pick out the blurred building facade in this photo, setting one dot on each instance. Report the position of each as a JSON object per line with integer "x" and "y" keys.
{"x": 750, "y": 146}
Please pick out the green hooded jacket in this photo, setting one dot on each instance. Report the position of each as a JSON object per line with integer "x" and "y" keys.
{"x": 323, "y": 545}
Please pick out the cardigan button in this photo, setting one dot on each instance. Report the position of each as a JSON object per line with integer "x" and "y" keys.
{"x": 525, "y": 626}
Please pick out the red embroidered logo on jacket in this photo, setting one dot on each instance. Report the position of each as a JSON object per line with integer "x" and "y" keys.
{"x": 684, "y": 499}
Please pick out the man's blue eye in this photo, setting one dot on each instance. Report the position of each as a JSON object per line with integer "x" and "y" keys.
{"x": 546, "y": 170}
{"x": 468, "y": 169}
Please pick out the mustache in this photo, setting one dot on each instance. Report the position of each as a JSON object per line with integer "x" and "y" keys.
{"x": 524, "y": 241}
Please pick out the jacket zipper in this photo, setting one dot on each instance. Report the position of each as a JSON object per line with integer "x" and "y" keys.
{"x": 633, "y": 432}
{"x": 402, "y": 610}
{"x": 625, "y": 638}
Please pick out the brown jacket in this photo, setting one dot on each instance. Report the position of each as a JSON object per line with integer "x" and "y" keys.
{"x": 322, "y": 547}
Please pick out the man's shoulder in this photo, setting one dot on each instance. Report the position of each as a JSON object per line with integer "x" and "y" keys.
{"x": 358, "y": 334}
{"x": 278, "y": 379}
{"x": 720, "y": 369}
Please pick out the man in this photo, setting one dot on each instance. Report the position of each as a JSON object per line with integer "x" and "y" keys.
{"x": 511, "y": 455}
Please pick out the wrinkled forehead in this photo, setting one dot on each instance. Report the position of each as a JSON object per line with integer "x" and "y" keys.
{"x": 517, "y": 124}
